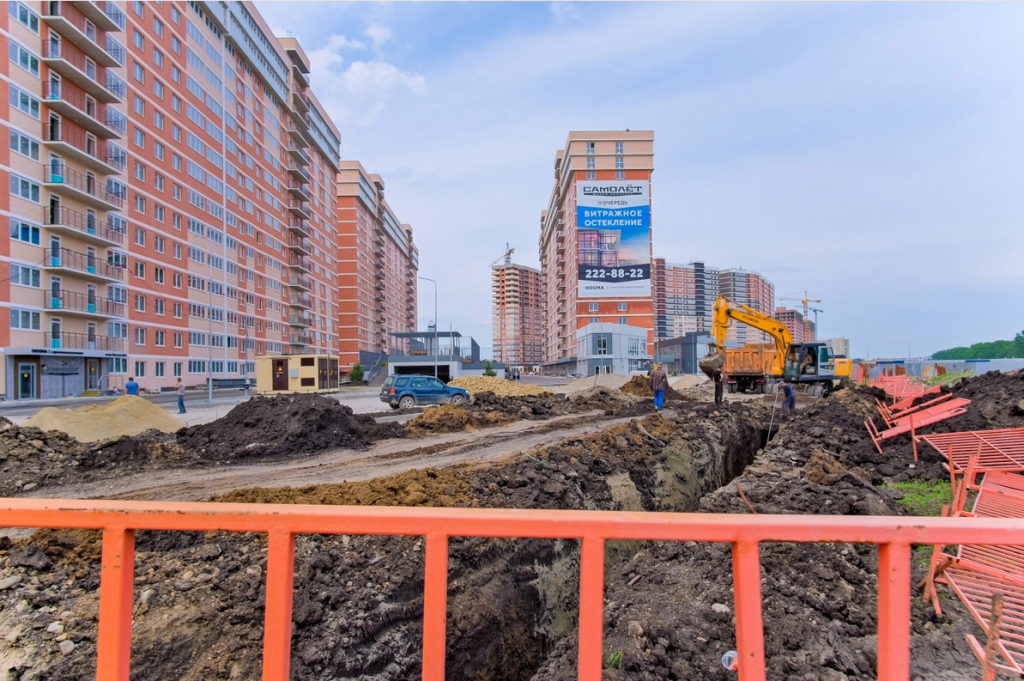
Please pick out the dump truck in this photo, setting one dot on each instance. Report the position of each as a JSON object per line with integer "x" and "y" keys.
{"x": 810, "y": 364}
{"x": 749, "y": 369}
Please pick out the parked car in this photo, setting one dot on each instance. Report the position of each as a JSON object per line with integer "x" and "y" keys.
{"x": 405, "y": 391}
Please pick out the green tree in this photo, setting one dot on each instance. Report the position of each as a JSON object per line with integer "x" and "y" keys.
{"x": 1000, "y": 349}
{"x": 356, "y": 375}
{"x": 489, "y": 369}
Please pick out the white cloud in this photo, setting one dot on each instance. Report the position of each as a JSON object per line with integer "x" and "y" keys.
{"x": 379, "y": 34}
{"x": 355, "y": 92}
{"x": 566, "y": 11}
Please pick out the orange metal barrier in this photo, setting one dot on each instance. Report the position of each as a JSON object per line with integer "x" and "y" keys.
{"x": 119, "y": 520}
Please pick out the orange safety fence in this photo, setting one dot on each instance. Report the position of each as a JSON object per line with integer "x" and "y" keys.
{"x": 997, "y": 450}
{"x": 120, "y": 519}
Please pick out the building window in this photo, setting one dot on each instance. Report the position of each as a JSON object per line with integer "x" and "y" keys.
{"x": 24, "y": 15}
{"x": 601, "y": 346}
{"x": 23, "y": 231}
{"x": 593, "y": 320}
{"x": 591, "y": 175}
{"x": 24, "y": 319}
{"x": 177, "y": 369}
{"x": 140, "y": 303}
{"x": 177, "y": 315}
{"x": 619, "y": 148}
{"x": 159, "y": 370}
{"x": 591, "y": 162}
{"x": 620, "y": 162}
{"x": 25, "y": 188}
{"x": 138, "y": 8}
{"x": 590, "y": 148}
{"x": 158, "y": 179}
{"x": 158, "y": 275}
{"x": 24, "y": 102}
{"x": 140, "y": 203}
{"x": 140, "y": 369}
{"x": 138, "y": 72}
{"x": 140, "y": 236}
{"x": 175, "y": 71}
{"x": 23, "y": 58}
{"x": 158, "y": 307}
{"x": 140, "y": 139}
{"x": 593, "y": 307}
{"x": 140, "y": 336}
{"x": 160, "y": 337}
{"x": 623, "y": 307}
{"x": 24, "y": 145}
{"x": 158, "y": 89}
{"x": 140, "y": 269}
{"x": 139, "y": 106}
{"x": 637, "y": 347}
{"x": 158, "y": 244}
{"x": 620, "y": 175}
{"x": 140, "y": 172}
{"x": 158, "y": 212}
{"x": 622, "y": 320}
{"x": 158, "y": 27}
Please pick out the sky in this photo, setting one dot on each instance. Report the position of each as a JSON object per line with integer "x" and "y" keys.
{"x": 871, "y": 154}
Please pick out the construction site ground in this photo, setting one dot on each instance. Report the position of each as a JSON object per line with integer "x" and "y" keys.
{"x": 512, "y": 603}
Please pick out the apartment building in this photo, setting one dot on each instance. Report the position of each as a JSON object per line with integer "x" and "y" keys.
{"x": 595, "y": 245}
{"x": 517, "y": 317}
{"x": 173, "y": 206}
{"x": 802, "y": 330}
{"x": 377, "y": 268}
{"x": 684, "y": 299}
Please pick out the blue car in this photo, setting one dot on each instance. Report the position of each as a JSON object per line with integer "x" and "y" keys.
{"x": 406, "y": 391}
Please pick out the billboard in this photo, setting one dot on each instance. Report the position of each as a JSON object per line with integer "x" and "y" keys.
{"x": 613, "y": 235}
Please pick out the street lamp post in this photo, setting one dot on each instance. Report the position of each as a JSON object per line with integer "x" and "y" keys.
{"x": 436, "y": 349}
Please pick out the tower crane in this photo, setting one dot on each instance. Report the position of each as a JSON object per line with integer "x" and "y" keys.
{"x": 507, "y": 256}
{"x": 807, "y": 322}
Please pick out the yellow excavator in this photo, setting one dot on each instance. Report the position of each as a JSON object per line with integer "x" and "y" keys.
{"x": 812, "y": 364}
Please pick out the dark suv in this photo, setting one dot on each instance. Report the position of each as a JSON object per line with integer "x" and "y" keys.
{"x": 409, "y": 390}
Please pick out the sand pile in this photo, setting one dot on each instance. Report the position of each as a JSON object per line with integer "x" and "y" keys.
{"x": 499, "y": 386}
{"x": 599, "y": 381}
{"x": 688, "y": 381}
{"x": 640, "y": 386}
{"x": 127, "y": 415}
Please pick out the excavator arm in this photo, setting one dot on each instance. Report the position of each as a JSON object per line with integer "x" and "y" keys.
{"x": 725, "y": 312}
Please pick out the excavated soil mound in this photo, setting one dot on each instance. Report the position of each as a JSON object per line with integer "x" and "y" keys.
{"x": 997, "y": 401}
{"x": 450, "y": 418}
{"x": 640, "y": 386}
{"x": 284, "y": 425}
{"x": 498, "y": 386}
{"x": 127, "y": 415}
{"x": 198, "y": 610}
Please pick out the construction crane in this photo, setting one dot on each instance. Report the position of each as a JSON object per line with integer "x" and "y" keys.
{"x": 815, "y": 311}
{"x": 507, "y": 256}
{"x": 807, "y": 322}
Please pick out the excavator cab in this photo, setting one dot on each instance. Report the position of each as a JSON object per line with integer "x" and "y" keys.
{"x": 807, "y": 361}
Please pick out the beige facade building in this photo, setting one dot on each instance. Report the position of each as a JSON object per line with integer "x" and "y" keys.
{"x": 517, "y": 316}
{"x": 377, "y": 268}
{"x": 172, "y": 210}
{"x": 802, "y": 330}
{"x": 594, "y": 245}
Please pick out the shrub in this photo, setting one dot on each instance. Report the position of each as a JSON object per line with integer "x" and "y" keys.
{"x": 356, "y": 375}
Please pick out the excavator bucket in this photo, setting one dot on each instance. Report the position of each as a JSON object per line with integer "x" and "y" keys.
{"x": 711, "y": 363}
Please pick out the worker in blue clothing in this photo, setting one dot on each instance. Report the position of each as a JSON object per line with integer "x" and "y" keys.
{"x": 131, "y": 387}
{"x": 789, "y": 405}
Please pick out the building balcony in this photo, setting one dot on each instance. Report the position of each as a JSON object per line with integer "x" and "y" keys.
{"x": 297, "y": 137}
{"x": 105, "y": 15}
{"x": 300, "y": 77}
{"x": 300, "y": 245}
{"x": 300, "y": 281}
{"x": 84, "y": 341}
{"x": 82, "y": 72}
{"x": 61, "y": 179}
{"x": 299, "y": 122}
{"x": 300, "y": 320}
{"x": 300, "y": 339}
{"x": 62, "y": 220}
{"x": 299, "y": 173}
{"x": 300, "y": 156}
{"x": 83, "y": 110}
{"x": 83, "y": 265}
{"x": 296, "y": 299}
{"x": 300, "y": 102}
{"x": 299, "y": 191}
{"x": 298, "y": 262}
{"x": 84, "y": 149}
{"x": 299, "y": 209}
{"x": 83, "y": 304}
{"x": 69, "y": 20}
{"x": 300, "y": 227}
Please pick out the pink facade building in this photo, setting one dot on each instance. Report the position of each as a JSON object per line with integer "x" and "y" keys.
{"x": 517, "y": 316}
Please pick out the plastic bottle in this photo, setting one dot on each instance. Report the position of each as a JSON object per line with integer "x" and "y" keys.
{"x": 730, "y": 660}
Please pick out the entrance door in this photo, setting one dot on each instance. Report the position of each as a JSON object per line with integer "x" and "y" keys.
{"x": 321, "y": 374}
{"x": 92, "y": 374}
{"x": 26, "y": 381}
{"x": 280, "y": 380}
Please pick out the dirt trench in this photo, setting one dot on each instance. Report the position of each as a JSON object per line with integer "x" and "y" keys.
{"x": 358, "y": 600}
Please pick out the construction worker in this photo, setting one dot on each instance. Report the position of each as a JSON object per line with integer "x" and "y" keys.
{"x": 789, "y": 405}
{"x": 131, "y": 387}
{"x": 717, "y": 378}
{"x": 659, "y": 381}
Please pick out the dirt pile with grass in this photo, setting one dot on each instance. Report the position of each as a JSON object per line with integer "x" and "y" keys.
{"x": 358, "y": 600}
{"x": 127, "y": 415}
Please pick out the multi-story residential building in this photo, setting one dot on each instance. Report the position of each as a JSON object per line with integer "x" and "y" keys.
{"x": 172, "y": 210}
{"x": 839, "y": 346}
{"x": 751, "y": 289}
{"x": 595, "y": 238}
{"x": 795, "y": 322}
{"x": 517, "y": 316}
{"x": 377, "y": 269}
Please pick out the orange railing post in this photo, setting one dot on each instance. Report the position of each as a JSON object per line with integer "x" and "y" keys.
{"x": 117, "y": 575}
{"x": 277, "y": 618}
{"x": 746, "y": 575}
{"x": 435, "y": 604}
{"x": 591, "y": 633}
{"x": 894, "y": 612}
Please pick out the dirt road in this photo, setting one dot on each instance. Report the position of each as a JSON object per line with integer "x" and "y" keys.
{"x": 388, "y": 457}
